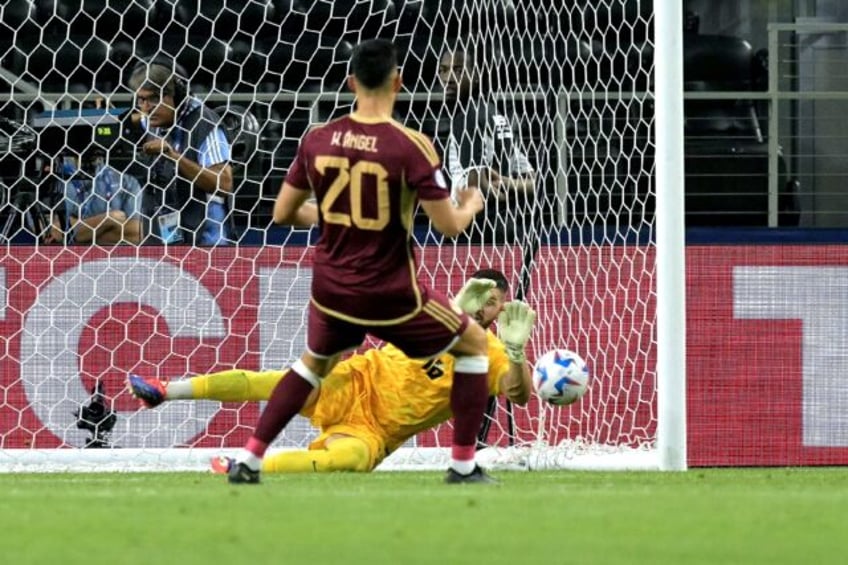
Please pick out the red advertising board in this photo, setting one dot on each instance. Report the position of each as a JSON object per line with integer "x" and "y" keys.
{"x": 766, "y": 340}
{"x": 765, "y": 346}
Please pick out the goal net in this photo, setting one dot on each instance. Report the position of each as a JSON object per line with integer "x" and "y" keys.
{"x": 560, "y": 98}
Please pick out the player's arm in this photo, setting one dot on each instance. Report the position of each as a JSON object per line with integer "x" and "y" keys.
{"x": 515, "y": 325}
{"x": 516, "y": 383}
{"x": 452, "y": 220}
{"x": 293, "y": 208}
{"x": 423, "y": 172}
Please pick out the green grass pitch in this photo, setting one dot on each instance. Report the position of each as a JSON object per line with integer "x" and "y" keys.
{"x": 744, "y": 516}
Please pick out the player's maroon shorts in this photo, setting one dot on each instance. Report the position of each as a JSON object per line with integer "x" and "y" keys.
{"x": 431, "y": 331}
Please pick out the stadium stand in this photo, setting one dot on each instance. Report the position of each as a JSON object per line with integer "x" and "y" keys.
{"x": 726, "y": 155}
{"x": 291, "y": 46}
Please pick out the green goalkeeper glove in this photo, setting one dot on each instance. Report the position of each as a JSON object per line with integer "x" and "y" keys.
{"x": 515, "y": 324}
{"x": 474, "y": 295}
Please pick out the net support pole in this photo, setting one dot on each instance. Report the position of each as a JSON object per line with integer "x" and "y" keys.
{"x": 670, "y": 234}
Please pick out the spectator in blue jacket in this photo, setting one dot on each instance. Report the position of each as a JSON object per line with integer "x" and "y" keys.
{"x": 101, "y": 205}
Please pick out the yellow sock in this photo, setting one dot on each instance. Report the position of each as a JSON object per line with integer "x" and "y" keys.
{"x": 235, "y": 385}
{"x": 343, "y": 454}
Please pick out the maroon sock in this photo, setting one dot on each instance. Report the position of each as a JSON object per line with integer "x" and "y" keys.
{"x": 469, "y": 396}
{"x": 286, "y": 401}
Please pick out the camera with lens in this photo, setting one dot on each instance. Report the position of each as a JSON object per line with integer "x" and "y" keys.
{"x": 97, "y": 418}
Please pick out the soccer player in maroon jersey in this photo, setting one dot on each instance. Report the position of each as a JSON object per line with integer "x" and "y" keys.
{"x": 368, "y": 172}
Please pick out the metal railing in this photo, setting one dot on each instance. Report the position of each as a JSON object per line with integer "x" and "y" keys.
{"x": 791, "y": 73}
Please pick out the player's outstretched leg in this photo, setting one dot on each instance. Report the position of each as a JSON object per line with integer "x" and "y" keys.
{"x": 151, "y": 391}
{"x": 478, "y": 475}
{"x": 287, "y": 399}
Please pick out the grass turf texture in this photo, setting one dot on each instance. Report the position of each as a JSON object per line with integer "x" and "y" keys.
{"x": 701, "y": 516}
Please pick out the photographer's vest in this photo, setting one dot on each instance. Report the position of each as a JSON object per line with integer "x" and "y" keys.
{"x": 180, "y": 213}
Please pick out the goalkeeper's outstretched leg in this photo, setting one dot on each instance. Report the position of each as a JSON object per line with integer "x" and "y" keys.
{"x": 338, "y": 452}
{"x": 343, "y": 454}
{"x": 236, "y": 385}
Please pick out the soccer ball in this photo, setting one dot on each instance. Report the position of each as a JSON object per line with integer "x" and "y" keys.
{"x": 560, "y": 377}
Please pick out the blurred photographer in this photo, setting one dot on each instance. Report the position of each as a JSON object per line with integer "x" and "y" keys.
{"x": 101, "y": 205}
{"x": 187, "y": 154}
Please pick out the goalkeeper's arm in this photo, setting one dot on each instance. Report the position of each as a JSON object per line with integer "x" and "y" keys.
{"x": 515, "y": 325}
{"x": 473, "y": 295}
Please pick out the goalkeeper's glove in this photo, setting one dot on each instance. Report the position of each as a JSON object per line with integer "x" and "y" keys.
{"x": 474, "y": 294}
{"x": 515, "y": 324}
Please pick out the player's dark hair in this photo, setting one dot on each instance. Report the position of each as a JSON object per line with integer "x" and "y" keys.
{"x": 373, "y": 61}
{"x": 495, "y": 275}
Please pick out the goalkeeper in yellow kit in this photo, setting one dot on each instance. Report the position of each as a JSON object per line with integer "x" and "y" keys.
{"x": 371, "y": 403}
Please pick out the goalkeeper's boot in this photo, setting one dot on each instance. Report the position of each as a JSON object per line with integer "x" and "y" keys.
{"x": 151, "y": 391}
{"x": 478, "y": 475}
{"x": 222, "y": 464}
{"x": 241, "y": 474}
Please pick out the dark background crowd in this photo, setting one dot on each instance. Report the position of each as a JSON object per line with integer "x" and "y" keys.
{"x": 272, "y": 68}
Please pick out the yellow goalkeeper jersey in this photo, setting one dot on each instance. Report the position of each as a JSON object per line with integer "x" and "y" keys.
{"x": 389, "y": 397}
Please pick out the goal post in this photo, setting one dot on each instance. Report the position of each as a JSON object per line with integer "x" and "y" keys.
{"x": 590, "y": 95}
{"x": 671, "y": 263}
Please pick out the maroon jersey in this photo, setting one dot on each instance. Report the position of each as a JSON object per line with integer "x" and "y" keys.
{"x": 367, "y": 176}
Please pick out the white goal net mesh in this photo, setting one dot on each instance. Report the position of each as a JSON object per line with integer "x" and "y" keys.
{"x": 557, "y": 101}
